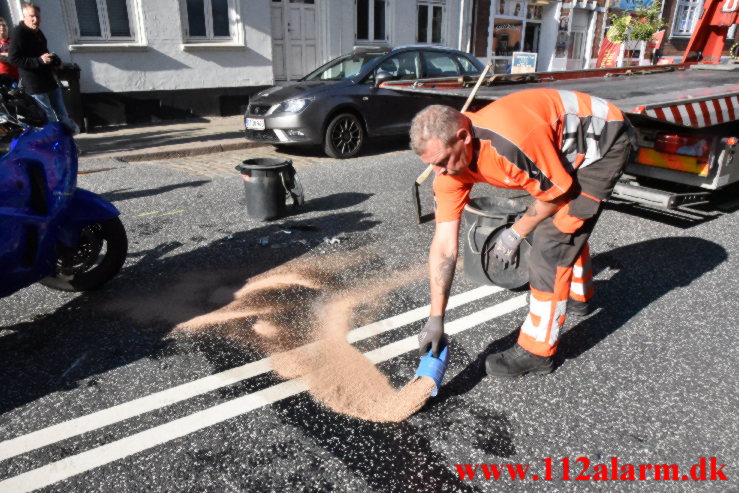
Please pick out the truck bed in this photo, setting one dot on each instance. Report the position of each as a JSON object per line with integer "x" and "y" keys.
{"x": 625, "y": 91}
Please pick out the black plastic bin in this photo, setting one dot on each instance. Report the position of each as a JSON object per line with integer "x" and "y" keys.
{"x": 268, "y": 183}
{"x": 485, "y": 218}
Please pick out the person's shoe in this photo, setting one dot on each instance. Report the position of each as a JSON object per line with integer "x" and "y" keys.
{"x": 516, "y": 361}
{"x": 578, "y": 308}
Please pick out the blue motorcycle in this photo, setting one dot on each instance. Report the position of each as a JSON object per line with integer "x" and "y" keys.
{"x": 51, "y": 231}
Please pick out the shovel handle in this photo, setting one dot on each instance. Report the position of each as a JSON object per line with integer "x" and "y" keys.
{"x": 422, "y": 177}
{"x": 473, "y": 93}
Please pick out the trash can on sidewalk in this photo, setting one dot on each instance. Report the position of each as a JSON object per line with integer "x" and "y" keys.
{"x": 485, "y": 218}
{"x": 268, "y": 183}
{"x": 69, "y": 80}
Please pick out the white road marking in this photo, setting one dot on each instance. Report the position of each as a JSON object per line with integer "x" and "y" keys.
{"x": 77, "y": 426}
{"x": 144, "y": 440}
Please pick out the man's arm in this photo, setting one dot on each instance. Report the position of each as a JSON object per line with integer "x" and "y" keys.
{"x": 16, "y": 54}
{"x": 536, "y": 213}
{"x": 442, "y": 262}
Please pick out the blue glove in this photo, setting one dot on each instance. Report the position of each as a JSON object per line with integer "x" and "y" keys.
{"x": 506, "y": 247}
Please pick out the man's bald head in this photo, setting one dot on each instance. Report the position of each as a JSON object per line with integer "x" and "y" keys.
{"x": 436, "y": 121}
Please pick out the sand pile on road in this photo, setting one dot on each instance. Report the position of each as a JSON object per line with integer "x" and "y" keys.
{"x": 300, "y": 317}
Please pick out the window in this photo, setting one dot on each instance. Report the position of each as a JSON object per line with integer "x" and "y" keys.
{"x": 439, "y": 64}
{"x": 506, "y": 36}
{"x": 429, "y": 23}
{"x": 468, "y": 68}
{"x": 344, "y": 67}
{"x": 686, "y": 15}
{"x": 371, "y": 20}
{"x": 208, "y": 19}
{"x": 404, "y": 66}
{"x": 531, "y": 37}
{"x": 102, "y": 20}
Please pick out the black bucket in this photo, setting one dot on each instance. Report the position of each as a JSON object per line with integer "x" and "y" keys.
{"x": 485, "y": 218}
{"x": 268, "y": 183}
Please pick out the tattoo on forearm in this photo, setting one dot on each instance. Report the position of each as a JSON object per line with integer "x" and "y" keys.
{"x": 445, "y": 273}
{"x": 531, "y": 211}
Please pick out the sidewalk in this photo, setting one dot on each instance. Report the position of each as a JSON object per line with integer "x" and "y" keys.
{"x": 166, "y": 140}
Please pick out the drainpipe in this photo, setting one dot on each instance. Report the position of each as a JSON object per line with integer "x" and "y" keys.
{"x": 462, "y": 6}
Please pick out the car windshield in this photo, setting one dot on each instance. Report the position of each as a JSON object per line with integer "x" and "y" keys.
{"x": 344, "y": 67}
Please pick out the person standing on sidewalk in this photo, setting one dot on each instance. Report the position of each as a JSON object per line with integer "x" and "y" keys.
{"x": 6, "y": 68}
{"x": 567, "y": 149}
{"x": 30, "y": 53}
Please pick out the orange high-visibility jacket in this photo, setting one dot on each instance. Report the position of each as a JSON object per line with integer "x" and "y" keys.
{"x": 532, "y": 140}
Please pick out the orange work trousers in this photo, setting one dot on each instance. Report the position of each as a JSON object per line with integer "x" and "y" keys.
{"x": 559, "y": 265}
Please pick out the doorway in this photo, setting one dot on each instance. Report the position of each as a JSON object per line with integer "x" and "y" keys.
{"x": 294, "y": 38}
{"x": 577, "y": 47}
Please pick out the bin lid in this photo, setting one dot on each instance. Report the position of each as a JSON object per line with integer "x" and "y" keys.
{"x": 263, "y": 163}
{"x": 512, "y": 276}
{"x": 495, "y": 206}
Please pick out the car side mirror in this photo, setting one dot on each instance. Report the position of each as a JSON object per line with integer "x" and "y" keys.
{"x": 382, "y": 76}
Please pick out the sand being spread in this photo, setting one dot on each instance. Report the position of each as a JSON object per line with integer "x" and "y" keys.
{"x": 300, "y": 318}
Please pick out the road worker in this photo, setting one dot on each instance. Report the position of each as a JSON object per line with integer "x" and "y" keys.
{"x": 567, "y": 149}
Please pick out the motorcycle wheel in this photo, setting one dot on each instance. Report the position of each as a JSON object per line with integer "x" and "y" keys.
{"x": 96, "y": 259}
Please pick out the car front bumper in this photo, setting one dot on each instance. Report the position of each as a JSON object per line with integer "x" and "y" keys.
{"x": 285, "y": 129}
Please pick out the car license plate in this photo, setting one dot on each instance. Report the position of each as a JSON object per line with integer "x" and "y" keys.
{"x": 255, "y": 123}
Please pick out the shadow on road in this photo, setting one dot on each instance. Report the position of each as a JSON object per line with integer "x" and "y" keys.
{"x": 125, "y": 194}
{"x": 645, "y": 272}
{"x": 334, "y": 202}
{"x": 388, "y": 457}
{"x": 373, "y": 147}
{"x": 129, "y": 317}
{"x": 147, "y": 139}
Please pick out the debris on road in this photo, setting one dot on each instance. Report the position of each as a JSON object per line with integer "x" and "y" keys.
{"x": 333, "y": 241}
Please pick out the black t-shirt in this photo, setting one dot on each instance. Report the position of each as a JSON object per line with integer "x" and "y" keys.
{"x": 26, "y": 46}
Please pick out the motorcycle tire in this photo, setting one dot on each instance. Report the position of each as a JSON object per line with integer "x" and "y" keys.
{"x": 89, "y": 273}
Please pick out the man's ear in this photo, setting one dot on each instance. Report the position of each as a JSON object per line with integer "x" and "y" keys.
{"x": 464, "y": 135}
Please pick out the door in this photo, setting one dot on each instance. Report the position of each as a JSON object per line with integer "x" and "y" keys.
{"x": 576, "y": 48}
{"x": 294, "y": 38}
{"x": 389, "y": 112}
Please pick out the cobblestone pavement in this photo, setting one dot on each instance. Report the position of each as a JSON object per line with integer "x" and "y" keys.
{"x": 222, "y": 164}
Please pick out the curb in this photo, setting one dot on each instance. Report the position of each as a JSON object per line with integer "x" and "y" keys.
{"x": 175, "y": 153}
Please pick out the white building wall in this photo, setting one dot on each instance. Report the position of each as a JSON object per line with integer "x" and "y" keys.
{"x": 340, "y": 24}
{"x": 161, "y": 62}
{"x": 339, "y": 27}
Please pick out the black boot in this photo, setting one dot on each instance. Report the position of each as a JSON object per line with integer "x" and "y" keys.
{"x": 516, "y": 361}
{"x": 578, "y": 308}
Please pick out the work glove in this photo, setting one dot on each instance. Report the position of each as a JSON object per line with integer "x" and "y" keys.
{"x": 431, "y": 336}
{"x": 506, "y": 247}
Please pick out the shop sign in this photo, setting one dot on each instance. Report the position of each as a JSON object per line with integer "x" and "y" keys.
{"x": 630, "y": 4}
{"x": 523, "y": 62}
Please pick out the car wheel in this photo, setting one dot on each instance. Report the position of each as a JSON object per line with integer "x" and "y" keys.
{"x": 344, "y": 136}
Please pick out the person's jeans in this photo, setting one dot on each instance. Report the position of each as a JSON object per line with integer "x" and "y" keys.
{"x": 53, "y": 104}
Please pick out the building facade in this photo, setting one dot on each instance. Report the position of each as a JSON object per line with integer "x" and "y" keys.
{"x": 146, "y": 61}
{"x": 564, "y": 35}
{"x": 681, "y": 17}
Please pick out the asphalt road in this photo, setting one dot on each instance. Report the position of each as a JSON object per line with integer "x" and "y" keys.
{"x": 102, "y": 392}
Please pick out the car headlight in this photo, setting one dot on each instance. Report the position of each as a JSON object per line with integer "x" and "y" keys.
{"x": 293, "y": 105}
